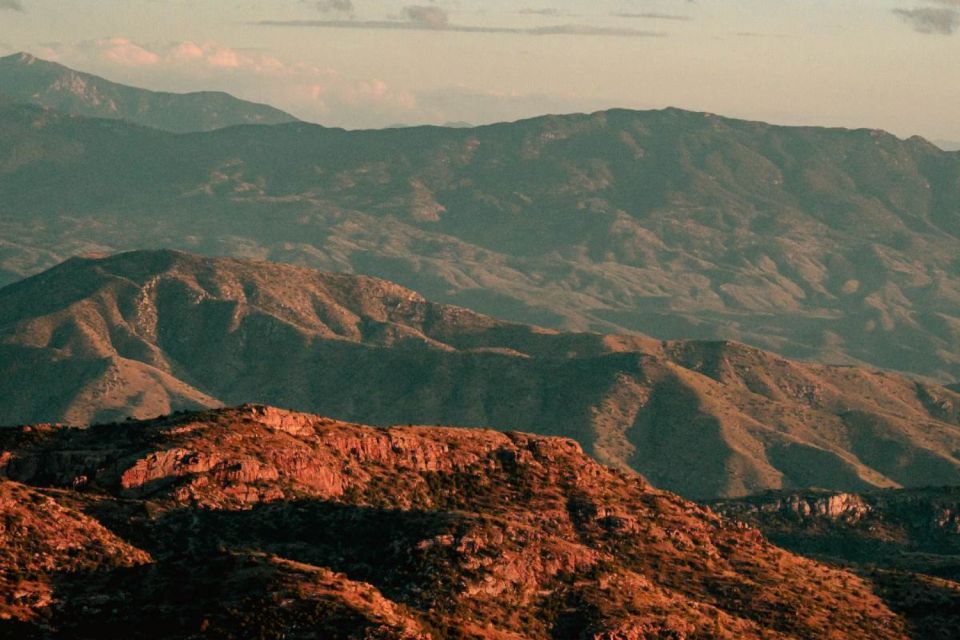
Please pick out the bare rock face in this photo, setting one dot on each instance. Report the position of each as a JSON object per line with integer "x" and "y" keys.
{"x": 152, "y": 332}
{"x": 834, "y": 507}
{"x": 915, "y": 521}
{"x": 259, "y": 522}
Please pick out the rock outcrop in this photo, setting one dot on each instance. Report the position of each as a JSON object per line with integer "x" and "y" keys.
{"x": 257, "y": 522}
{"x": 907, "y": 542}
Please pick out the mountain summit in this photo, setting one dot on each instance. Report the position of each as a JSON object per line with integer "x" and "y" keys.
{"x": 26, "y": 78}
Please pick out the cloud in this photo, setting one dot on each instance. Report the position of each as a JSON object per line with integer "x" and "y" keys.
{"x": 124, "y": 52}
{"x": 11, "y": 5}
{"x": 427, "y": 17}
{"x": 539, "y": 12}
{"x": 309, "y": 91}
{"x": 932, "y": 20}
{"x": 418, "y": 19}
{"x": 342, "y": 6}
{"x": 652, "y": 16}
{"x": 334, "y": 6}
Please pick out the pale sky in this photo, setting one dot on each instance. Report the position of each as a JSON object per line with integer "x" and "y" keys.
{"x": 891, "y": 64}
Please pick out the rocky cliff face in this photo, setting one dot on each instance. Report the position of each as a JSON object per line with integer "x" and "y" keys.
{"x": 916, "y": 521}
{"x": 147, "y": 333}
{"x": 257, "y": 522}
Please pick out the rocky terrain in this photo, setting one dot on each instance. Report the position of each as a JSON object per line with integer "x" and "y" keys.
{"x": 147, "y": 333}
{"x": 826, "y": 244}
{"x": 257, "y": 522}
{"x": 27, "y": 79}
{"x": 907, "y": 542}
{"x": 916, "y": 528}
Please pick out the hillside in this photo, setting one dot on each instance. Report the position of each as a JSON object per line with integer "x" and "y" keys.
{"x": 907, "y": 528}
{"x": 25, "y": 78}
{"x": 907, "y": 541}
{"x": 146, "y": 333}
{"x": 824, "y": 244}
{"x": 255, "y": 522}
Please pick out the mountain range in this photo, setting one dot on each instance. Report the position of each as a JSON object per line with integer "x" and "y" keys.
{"x": 146, "y": 333}
{"x": 27, "y": 79}
{"x": 823, "y": 244}
{"x": 590, "y": 304}
{"x": 256, "y": 522}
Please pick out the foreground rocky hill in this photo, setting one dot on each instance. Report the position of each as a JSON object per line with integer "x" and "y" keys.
{"x": 256, "y": 522}
{"x": 146, "y": 333}
{"x": 28, "y": 79}
{"x": 907, "y": 542}
{"x": 826, "y": 244}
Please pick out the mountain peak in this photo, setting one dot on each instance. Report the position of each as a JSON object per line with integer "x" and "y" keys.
{"x": 26, "y": 78}
{"x": 21, "y": 57}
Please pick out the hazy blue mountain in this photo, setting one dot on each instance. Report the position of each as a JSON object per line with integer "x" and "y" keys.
{"x": 826, "y": 244}
{"x": 25, "y": 78}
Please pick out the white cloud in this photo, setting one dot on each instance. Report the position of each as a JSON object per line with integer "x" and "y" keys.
{"x": 310, "y": 91}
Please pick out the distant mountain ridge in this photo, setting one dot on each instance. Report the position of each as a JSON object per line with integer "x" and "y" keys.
{"x": 25, "y": 78}
{"x": 148, "y": 333}
{"x": 821, "y": 244}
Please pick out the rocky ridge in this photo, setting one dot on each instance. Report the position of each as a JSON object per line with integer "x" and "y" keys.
{"x": 260, "y": 522}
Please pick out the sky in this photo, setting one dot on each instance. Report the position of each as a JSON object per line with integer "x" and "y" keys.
{"x": 889, "y": 64}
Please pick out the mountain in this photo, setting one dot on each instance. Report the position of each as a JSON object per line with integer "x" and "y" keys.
{"x": 948, "y": 145}
{"x": 826, "y": 244}
{"x": 906, "y": 541}
{"x": 25, "y": 78}
{"x": 256, "y": 522}
{"x": 146, "y": 333}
